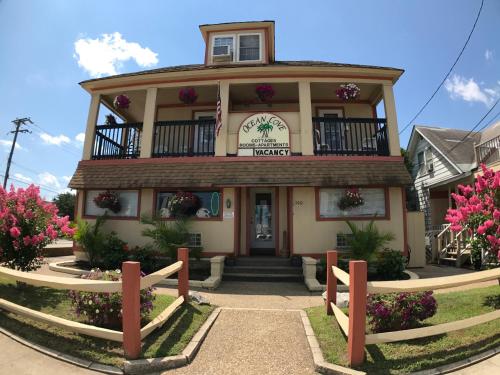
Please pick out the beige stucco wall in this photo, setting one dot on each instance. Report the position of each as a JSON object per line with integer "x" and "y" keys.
{"x": 312, "y": 237}
{"x": 350, "y": 109}
{"x": 416, "y": 238}
{"x": 217, "y": 236}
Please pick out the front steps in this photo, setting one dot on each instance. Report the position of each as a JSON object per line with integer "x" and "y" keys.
{"x": 272, "y": 269}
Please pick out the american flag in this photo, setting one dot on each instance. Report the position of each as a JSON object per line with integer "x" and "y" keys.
{"x": 218, "y": 116}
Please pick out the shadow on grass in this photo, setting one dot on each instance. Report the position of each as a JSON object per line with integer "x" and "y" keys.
{"x": 33, "y": 297}
{"x": 426, "y": 360}
{"x": 492, "y": 301}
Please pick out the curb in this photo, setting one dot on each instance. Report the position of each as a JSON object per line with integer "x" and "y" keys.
{"x": 106, "y": 369}
{"x": 141, "y": 366}
{"x": 327, "y": 368}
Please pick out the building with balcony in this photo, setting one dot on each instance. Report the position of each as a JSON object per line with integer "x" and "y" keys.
{"x": 269, "y": 180}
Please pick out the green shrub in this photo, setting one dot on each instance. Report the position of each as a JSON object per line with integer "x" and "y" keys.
{"x": 148, "y": 257}
{"x": 114, "y": 253}
{"x": 366, "y": 241}
{"x": 167, "y": 236}
{"x": 390, "y": 265}
{"x": 91, "y": 239}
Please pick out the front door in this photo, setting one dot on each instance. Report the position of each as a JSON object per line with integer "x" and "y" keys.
{"x": 262, "y": 222}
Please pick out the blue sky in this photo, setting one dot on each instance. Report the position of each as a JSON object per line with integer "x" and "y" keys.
{"x": 39, "y": 73}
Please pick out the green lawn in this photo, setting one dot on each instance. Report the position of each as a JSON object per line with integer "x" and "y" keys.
{"x": 419, "y": 354}
{"x": 171, "y": 339}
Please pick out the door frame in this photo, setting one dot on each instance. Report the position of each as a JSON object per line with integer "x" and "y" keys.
{"x": 276, "y": 224}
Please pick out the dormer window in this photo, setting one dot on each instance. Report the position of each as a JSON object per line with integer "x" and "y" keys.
{"x": 223, "y": 48}
{"x": 249, "y": 47}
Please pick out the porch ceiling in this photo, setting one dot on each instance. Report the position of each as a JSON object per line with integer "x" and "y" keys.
{"x": 164, "y": 173}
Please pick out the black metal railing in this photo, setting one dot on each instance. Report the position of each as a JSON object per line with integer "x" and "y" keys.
{"x": 488, "y": 152}
{"x": 184, "y": 138}
{"x": 119, "y": 141}
{"x": 350, "y": 136}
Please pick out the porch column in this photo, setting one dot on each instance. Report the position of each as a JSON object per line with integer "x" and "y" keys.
{"x": 222, "y": 138}
{"x": 392, "y": 120}
{"x": 306, "y": 127}
{"x": 148, "y": 123}
{"x": 88, "y": 144}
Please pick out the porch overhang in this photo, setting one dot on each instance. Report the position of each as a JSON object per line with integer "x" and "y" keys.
{"x": 240, "y": 171}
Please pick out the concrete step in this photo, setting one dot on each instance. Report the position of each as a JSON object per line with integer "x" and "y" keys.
{"x": 263, "y": 277}
{"x": 270, "y": 270}
{"x": 262, "y": 261}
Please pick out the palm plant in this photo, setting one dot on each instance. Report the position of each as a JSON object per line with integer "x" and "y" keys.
{"x": 92, "y": 239}
{"x": 366, "y": 241}
{"x": 265, "y": 129}
{"x": 167, "y": 235}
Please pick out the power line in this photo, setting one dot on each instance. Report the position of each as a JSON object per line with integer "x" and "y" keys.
{"x": 475, "y": 126}
{"x": 63, "y": 147}
{"x": 449, "y": 71}
{"x": 19, "y": 123}
{"x": 30, "y": 183}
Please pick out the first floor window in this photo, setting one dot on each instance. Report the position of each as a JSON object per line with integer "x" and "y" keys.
{"x": 125, "y": 203}
{"x": 199, "y": 204}
{"x": 373, "y": 203}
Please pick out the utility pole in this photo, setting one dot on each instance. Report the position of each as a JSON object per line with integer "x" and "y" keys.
{"x": 18, "y": 122}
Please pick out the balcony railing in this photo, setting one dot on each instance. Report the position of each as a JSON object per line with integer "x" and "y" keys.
{"x": 489, "y": 151}
{"x": 184, "y": 138}
{"x": 120, "y": 141}
{"x": 350, "y": 136}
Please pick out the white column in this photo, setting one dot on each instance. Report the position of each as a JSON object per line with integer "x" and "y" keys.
{"x": 392, "y": 120}
{"x": 222, "y": 138}
{"x": 306, "y": 127}
{"x": 88, "y": 144}
{"x": 148, "y": 123}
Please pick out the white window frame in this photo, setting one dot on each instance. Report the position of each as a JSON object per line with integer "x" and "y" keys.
{"x": 260, "y": 47}
{"x": 212, "y": 43}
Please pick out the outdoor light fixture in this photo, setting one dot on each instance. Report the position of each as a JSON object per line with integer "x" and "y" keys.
{"x": 228, "y": 203}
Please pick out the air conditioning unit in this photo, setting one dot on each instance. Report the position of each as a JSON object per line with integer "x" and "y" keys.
{"x": 221, "y": 54}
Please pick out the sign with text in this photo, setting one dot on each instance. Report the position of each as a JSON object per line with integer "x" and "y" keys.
{"x": 264, "y": 134}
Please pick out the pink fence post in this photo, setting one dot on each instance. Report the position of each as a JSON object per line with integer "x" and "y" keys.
{"x": 131, "y": 309}
{"x": 357, "y": 311}
{"x": 183, "y": 275}
{"x": 331, "y": 280}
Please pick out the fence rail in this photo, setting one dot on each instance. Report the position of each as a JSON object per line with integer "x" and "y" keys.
{"x": 130, "y": 287}
{"x": 354, "y": 324}
{"x": 119, "y": 141}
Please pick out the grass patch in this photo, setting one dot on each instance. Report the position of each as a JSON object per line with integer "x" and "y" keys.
{"x": 419, "y": 354}
{"x": 169, "y": 340}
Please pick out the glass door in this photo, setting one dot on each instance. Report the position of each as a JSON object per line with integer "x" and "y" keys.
{"x": 262, "y": 220}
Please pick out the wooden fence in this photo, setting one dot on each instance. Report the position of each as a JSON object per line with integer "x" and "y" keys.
{"x": 354, "y": 324}
{"x": 131, "y": 285}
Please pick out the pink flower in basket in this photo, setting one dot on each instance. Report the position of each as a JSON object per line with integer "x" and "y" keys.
{"x": 121, "y": 101}
{"x": 188, "y": 95}
{"x": 265, "y": 92}
{"x": 348, "y": 91}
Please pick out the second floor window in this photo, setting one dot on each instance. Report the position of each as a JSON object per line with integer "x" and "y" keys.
{"x": 223, "y": 45}
{"x": 249, "y": 47}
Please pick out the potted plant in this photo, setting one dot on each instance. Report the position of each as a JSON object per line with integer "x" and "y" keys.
{"x": 122, "y": 101}
{"x": 188, "y": 95}
{"x": 265, "y": 93}
{"x": 108, "y": 200}
{"x": 352, "y": 198}
{"x": 110, "y": 120}
{"x": 183, "y": 204}
{"x": 348, "y": 91}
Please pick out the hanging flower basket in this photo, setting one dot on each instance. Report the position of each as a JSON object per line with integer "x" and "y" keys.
{"x": 110, "y": 120}
{"x": 183, "y": 204}
{"x": 121, "y": 101}
{"x": 265, "y": 93}
{"x": 352, "y": 198}
{"x": 188, "y": 95}
{"x": 348, "y": 92}
{"x": 108, "y": 200}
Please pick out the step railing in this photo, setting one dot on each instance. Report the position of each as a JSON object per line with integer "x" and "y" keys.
{"x": 130, "y": 286}
{"x": 450, "y": 242}
{"x": 354, "y": 324}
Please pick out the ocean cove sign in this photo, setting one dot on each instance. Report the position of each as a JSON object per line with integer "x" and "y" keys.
{"x": 264, "y": 134}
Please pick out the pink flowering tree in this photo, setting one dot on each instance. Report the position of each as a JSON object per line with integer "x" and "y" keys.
{"x": 27, "y": 225}
{"x": 478, "y": 211}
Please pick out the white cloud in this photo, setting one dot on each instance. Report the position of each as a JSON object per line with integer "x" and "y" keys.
{"x": 488, "y": 55}
{"x": 80, "y": 137}
{"x": 66, "y": 178}
{"x": 7, "y": 144}
{"x": 49, "y": 180}
{"x": 22, "y": 177}
{"x": 469, "y": 90}
{"x": 106, "y": 55}
{"x": 54, "y": 140}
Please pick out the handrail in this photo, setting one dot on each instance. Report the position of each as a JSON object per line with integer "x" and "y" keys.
{"x": 447, "y": 226}
{"x": 85, "y": 329}
{"x": 410, "y": 334}
{"x": 341, "y": 275}
{"x": 65, "y": 283}
{"x": 159, "y": 275}
{"x": 434, "y": 283}
{"x": 161, "y": 318}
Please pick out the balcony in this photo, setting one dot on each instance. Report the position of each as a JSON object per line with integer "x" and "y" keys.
{"x": 119, "y": 141}
{"x": 350, "y": 136}
{"x": 488, "y": 152}
{"x": 184, "y": 138}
